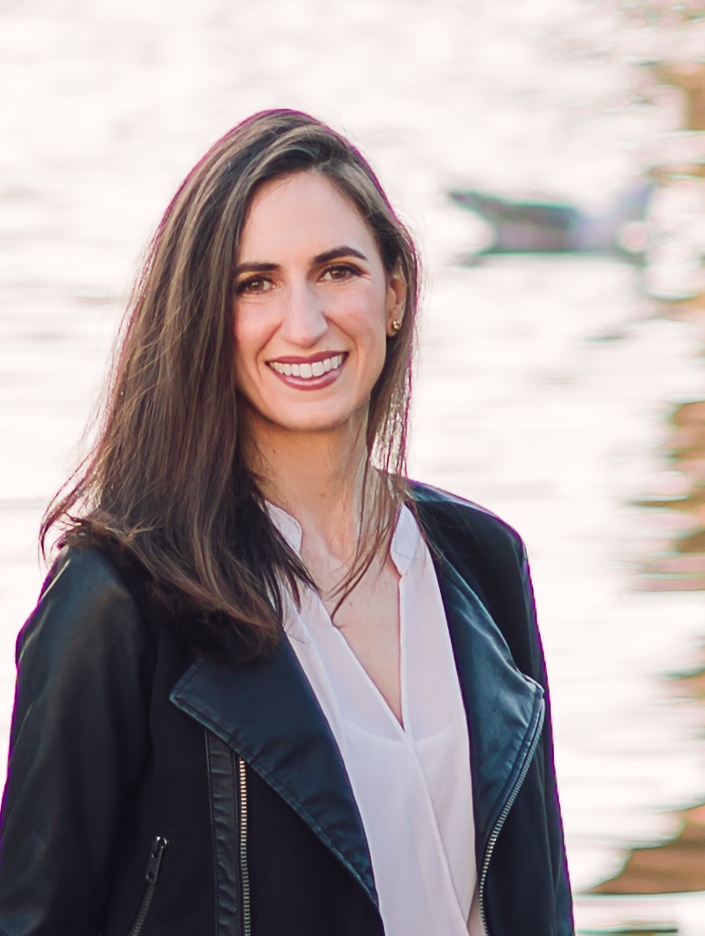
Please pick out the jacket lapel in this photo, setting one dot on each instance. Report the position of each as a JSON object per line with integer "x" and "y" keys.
{"x": 504, "y": 708}
{"x": 268, "y": 713}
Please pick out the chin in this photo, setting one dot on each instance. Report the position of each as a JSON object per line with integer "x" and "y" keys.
{"x": 309, "y": 422}
{"x": 320, "y": 424}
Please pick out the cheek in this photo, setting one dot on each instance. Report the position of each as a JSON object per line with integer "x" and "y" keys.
{"x": 242, "y": 325}
{"x": 246, "y": 347}
{"x": 368, "y": 316}
{"x": 371, "y": 339}
{"x": 375, "y": 328}
{"x": 251, "y": 334}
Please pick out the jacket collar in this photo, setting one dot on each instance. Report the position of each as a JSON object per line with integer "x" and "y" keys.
{"x": 268, "y": 713}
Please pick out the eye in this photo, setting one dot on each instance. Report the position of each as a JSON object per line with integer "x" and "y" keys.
{"x": 340, "y": 271}
{"x": 254, "y": 285}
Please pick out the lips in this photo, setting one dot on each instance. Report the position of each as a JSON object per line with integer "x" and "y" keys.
{"x": 311, "y": 369}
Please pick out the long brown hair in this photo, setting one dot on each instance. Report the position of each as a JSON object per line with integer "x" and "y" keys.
{"x": 166, "y": 481}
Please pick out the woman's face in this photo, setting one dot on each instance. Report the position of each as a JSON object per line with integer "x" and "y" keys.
{"x": 313, "y": 307}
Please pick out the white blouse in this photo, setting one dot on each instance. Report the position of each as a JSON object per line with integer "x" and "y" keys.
{"x": 412, "y": 784}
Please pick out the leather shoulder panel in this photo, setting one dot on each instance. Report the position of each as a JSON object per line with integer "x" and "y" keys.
{"x": 84, "y": 600}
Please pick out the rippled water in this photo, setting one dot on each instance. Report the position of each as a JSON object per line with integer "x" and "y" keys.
{"x": 543, "y": 382}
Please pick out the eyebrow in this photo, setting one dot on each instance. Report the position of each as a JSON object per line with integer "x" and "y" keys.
{"x": 334, "y": 254}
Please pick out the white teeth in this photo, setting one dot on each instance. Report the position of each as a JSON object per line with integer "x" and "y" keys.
{"x": 307, "y": 371}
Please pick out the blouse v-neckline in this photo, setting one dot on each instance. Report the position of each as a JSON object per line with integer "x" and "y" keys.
{"x": 412, "y": 780}
{"x": 404, "y": 545}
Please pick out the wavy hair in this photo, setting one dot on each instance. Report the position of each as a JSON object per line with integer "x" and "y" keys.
{"x": 166, "y": 482}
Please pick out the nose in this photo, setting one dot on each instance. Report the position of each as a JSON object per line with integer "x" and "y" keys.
{"x": 304, "y": 322}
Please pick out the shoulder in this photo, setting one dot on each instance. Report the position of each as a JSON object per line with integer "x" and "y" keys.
{"x": 490, "y": 557}
{"x": 88, "y": 574}
{"x": 455, "y": 524}
{"x": 87, "y": 604}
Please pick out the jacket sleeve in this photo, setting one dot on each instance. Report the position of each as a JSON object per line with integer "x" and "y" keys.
{"x": 505, "y": 573}
{"x": 547, "y": 769}
{"x": 78, "y": 745}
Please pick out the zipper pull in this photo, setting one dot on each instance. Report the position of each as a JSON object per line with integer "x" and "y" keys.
{"x": 155, "y": 859}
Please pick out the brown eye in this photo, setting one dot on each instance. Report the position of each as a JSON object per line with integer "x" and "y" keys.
{"x": 340, "y": 271}
{"x": 254, "y": 285}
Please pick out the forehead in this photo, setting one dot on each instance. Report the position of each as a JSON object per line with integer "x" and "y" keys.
{"x": 306, "y": 212}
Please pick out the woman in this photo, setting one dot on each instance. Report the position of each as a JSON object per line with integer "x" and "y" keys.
{"x": 271, "y": 686}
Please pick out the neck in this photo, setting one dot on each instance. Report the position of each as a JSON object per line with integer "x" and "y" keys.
{"x": 316, "y": 477}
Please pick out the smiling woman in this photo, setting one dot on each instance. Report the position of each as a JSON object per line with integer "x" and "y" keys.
{"x": 271, "y": 685}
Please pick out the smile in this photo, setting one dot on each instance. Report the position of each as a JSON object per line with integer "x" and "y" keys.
{"x": 308, "y": 370}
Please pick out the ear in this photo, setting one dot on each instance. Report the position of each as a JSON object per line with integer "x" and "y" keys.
{"x": 396, "y": 300}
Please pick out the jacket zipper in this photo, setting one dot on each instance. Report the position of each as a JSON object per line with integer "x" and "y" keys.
{"x": 492, "y": 841}
{"x": 153, "y": 865}
{"x": 244, "y": 872}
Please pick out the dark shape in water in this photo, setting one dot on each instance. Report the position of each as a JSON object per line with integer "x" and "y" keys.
{"x": 676, "y": 867}
{"x": 631, "y": 929}
{"x": 550, "y": 227}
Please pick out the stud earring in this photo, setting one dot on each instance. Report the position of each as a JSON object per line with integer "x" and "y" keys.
{"x": 395, "y": 325}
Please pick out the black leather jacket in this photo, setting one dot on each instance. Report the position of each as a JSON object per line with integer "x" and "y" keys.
{"x": 149, "y": 793}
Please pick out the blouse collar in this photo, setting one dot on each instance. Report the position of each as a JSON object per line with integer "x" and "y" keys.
{"x": 404, "y": 545}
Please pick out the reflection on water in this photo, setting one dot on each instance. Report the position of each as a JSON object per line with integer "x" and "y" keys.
{"x": 630, "y": 929}
{"x": 678, "y": 864}
{"x": 676, "y": 560}
{"x": 675, "y": 867}
{"x": 640, "y": 916}
{"x": 681, "y": 564}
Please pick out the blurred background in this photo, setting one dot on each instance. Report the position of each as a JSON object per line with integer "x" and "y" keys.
{"x": 549, "y": 155}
